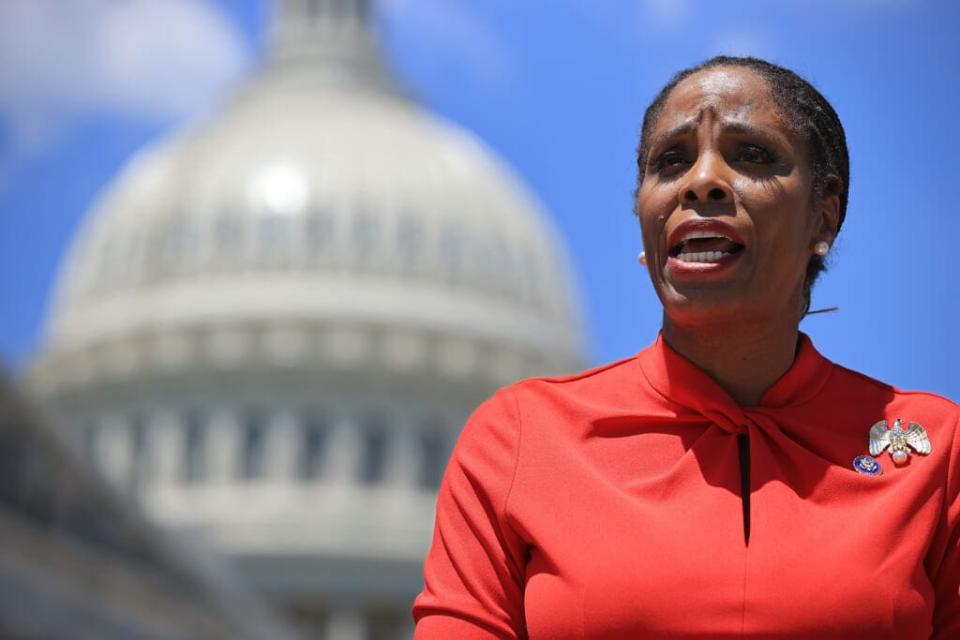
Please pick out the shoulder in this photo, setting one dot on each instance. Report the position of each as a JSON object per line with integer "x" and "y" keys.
{"x": 856, "y": 384}
{"x": 592, "y": 383}
{"x": 555, "y": 411}
{"x": 531, "y": 401}
{"x": 528, "y": 424}
{"x": 857, "y": 401}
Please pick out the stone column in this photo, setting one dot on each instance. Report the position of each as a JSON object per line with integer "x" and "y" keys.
{"x": 223, "y": 441}
{"x": 403, "y": 454}
{"x": 342, "y": 456}
{"x": 113, "y": 450}
{"x": 282, "y": 447}
{"x": 141, "y": 452}
{"x": 166, "y": 438}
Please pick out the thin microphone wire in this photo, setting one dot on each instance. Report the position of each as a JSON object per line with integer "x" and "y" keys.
{"x": 824, "y": 310}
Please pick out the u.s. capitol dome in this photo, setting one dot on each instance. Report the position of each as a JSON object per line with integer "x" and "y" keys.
{"x": 271, "y": 327}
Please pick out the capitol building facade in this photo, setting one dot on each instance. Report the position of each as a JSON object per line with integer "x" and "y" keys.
{"x": 271, "y": 327}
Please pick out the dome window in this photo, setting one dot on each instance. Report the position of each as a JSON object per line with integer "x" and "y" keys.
{"x": 365, "y": 235}
{"x": 314, "y": 433}
{"x": 139, "y": 453}
{"x": 433, "y": 455}
{"x": 229, "y": 235}
{"x": 194, "y": 448}
{"x": 451, "y": 252}
{"x": 274, "y": 236}
{"x": 253, "y": 445}
{"x": 409, "y": 242}
{"x": 500, "y": 268}
{"x": 318, "y": 229}
{"x": 373, "y": 455}
{"x": 177, "y": 242}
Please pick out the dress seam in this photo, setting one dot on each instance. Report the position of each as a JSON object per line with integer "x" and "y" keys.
{"x": 945, "y": 500}
{"x": 516, "y": 461}
{"x": 802, "y": 401}
{"x": 643, "y": 372}
{"x": 582, "y": 375}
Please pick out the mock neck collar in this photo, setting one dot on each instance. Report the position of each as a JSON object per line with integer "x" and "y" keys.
{"x": 681, "y": 381}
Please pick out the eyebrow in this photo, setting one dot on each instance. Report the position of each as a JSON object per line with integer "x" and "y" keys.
{"x": 726, "y": 126}
{"x": 739, "y": 126}
{"x": 683, "y": 128}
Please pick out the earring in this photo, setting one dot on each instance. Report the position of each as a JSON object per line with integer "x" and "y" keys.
{"x": 642, "y": 258}
{"x": 822, "y": 248}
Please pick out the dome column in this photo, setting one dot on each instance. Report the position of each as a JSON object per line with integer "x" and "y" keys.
{"x": 342, "y": 457}
{"x": 283, "y": 443}
{"x": 222, "y": 447}
{"x": 167, "y": 440}
{"x": 113, "y": 449}
{"x": 404, "y": 459}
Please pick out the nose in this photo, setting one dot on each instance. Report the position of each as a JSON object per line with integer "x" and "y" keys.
{"x": 706, "y": 181}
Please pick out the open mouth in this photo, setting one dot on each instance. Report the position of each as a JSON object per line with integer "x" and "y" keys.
{"x": 704, "y": 246}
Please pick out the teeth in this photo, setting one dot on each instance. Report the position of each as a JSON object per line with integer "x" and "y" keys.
{"x": 695, "y": 235}
{"x": 703, "y": 256}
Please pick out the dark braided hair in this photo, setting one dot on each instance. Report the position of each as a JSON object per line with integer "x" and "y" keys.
{"x": 808, "y": 113}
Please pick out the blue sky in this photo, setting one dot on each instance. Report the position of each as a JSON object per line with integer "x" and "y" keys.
{"x": 558, "y": 88}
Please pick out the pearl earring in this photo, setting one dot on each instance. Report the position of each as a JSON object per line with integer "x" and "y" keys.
{"x": 822, "y": 248}
{"x": 642, "y": 258}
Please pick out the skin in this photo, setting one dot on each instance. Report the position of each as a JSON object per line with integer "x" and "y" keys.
{"x": 721, "y": 149}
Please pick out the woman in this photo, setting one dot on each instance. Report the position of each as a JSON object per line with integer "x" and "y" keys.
{"x": 720, "y": 483}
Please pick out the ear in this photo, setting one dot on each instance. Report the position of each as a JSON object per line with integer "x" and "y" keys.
{"x": 827, "y": 209}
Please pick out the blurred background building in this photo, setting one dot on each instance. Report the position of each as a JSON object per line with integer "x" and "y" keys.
{"x": 78, "y": 563}
{"x": 271, "y": 326}
{"x": 258, "y": 314}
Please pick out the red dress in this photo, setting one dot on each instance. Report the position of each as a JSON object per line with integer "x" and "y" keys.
{"x": 609, "y": 504}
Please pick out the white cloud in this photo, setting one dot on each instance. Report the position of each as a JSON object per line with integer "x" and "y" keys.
{"x": 665, "y": 13}
{"x": 630, "y": 20}
{"x": 155, "y": 59}
{"x": 745, "y": 43}
{"x": 450, "y": 35}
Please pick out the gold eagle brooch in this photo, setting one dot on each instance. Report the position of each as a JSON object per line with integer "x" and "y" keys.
{"x": 899, "y": 440}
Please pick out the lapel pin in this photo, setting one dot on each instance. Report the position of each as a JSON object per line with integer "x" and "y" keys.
{"x": 899, "y": 440}
{"x": 867, "y": 465}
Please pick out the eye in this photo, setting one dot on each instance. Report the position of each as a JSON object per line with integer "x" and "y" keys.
{"x": 754, "y": 154}
{"x": 668, "y": 160}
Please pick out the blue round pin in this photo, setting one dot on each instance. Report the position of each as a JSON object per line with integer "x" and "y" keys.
{"x": 867, "y": 465}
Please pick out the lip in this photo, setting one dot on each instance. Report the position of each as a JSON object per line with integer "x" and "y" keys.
{"x": 681, "y": 270}
{"x": 702, "y": 224}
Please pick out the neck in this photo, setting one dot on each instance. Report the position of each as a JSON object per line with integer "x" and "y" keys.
{"x": 745, "y": 360}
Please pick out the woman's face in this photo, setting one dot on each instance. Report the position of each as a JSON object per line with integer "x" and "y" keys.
{"x": 725, "y": 205}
